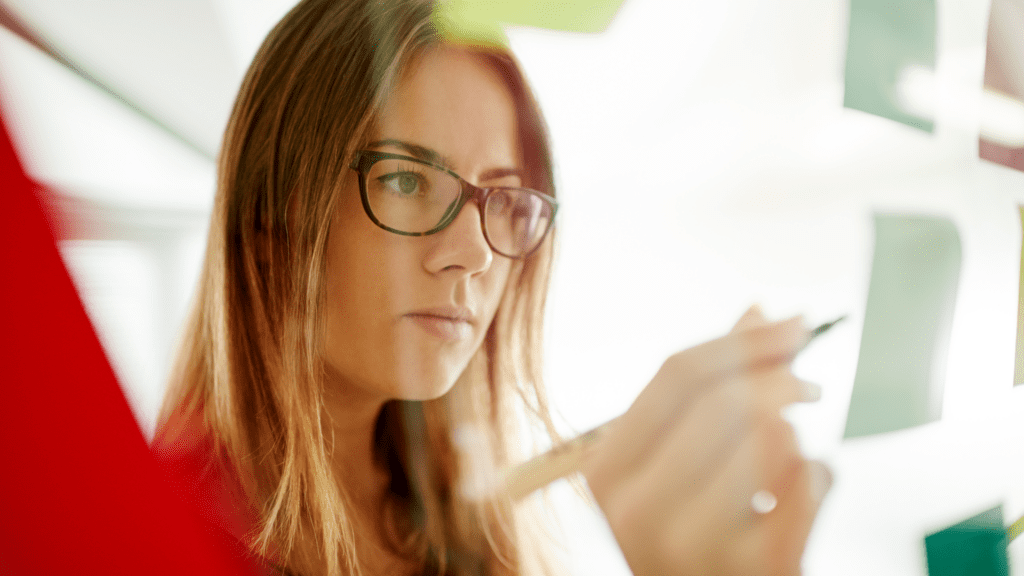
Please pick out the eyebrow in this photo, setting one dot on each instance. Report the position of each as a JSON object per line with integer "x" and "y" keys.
{"x": 435, "y": 157}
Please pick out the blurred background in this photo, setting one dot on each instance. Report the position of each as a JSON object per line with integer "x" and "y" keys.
{"x": 705, "y": 162}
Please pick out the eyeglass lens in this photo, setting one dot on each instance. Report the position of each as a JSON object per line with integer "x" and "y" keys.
{"x": 416, "y": 198}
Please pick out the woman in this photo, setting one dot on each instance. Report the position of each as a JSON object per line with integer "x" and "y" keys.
{"x": 373, "y": 287}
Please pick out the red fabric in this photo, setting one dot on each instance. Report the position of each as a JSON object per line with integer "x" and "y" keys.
{"x": 197, "y": 474}
{"x": 80, "y": 492}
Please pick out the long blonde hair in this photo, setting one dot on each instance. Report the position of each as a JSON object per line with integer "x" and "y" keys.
{"x": 250, "y": 369}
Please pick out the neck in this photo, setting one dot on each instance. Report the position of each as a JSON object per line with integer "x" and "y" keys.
{"x": 352, "y": 418}
{"x": 351, "y": 422}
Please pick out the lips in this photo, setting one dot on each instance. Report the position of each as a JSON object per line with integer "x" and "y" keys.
{"x": 449, "y": 323}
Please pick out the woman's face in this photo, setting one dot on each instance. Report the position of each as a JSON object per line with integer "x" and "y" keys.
{"x": 405, "y": 314}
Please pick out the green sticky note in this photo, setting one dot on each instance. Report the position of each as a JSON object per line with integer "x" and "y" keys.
{"x": 1018, "y": 365}
{"x": 909, "y": 315}
{"x": 886, "y": 37}
{"x": 974, "y": 547}
{"x": 479, "y": 21}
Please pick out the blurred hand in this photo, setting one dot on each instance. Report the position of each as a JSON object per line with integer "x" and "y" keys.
{"x": 675, "y": 474}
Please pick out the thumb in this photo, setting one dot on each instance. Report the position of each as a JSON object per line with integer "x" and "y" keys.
{"x": 752, "y": 318}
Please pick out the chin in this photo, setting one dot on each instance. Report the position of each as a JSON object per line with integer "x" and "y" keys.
{"x": 426, "y": 387}
{"x": 428, "y": 380}
{"x": 423, "y": 395}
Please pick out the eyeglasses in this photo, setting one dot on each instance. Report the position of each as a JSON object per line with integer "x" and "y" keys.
{"x": 413, "y": 197}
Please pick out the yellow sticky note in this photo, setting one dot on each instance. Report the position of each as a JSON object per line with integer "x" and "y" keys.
{"x": 1018, "y": 365}
{"x": 479, "y": 21}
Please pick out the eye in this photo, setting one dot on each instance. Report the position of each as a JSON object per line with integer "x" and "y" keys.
{"x": 499, "y": 202}
{"x": 525, "y": 207}
{"x": 402, "y": 183}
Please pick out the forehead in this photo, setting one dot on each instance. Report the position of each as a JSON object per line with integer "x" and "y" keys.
{"x": 453, "y": 102}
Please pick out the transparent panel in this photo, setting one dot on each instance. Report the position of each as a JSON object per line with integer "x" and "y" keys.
{"x": 516, "y": 220}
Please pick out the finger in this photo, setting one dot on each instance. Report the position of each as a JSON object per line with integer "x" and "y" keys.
{"x": 777, "y": 538}
{"x": 753, "y": 346}
{"x": 694, "y": 445}
{"x": 677, "y": 383}
{"x": 687, "y": 374}
{"x": 780, "y": 537}
{"x": 766, "y": 459}
{"x": 751, "y": 318}
{"x": 688, "y": 457}
{"x": 787, "y": 527}
{"x": 777, "y": 387}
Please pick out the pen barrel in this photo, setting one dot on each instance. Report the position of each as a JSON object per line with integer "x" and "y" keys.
{"x": 564, "y": 459}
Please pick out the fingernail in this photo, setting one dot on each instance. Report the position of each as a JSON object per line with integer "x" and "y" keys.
{"x": 798, "y": 325}
{"x": 821, "y": 480}
{"x": 811, "y": 392}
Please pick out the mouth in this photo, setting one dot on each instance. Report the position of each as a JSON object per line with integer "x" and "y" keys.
{"x": 450, "y": 324}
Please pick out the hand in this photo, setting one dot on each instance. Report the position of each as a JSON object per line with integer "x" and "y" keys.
{"x": 675, "y": 474}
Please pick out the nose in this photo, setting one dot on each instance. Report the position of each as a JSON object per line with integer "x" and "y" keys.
{"x": 461, "y": 246}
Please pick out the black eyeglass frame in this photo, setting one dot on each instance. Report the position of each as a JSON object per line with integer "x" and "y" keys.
{"x": 365, "y": 159}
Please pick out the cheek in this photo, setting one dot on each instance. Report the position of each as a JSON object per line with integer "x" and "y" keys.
{"x": 371, "y": 279}
{"x": 360, "y": 281}
{"x": 370, "y": 266}
{"x": 498, "y": 277}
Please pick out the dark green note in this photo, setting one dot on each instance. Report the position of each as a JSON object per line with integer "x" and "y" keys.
{"x": 974, "y": 547}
